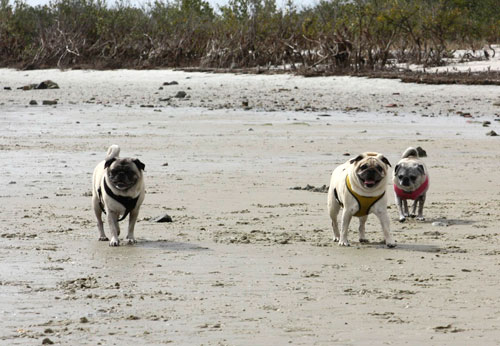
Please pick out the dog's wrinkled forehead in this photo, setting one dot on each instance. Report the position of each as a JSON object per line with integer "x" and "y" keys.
{"x": 370, "y": 159}
{"x": 126, "y": 163}
{"x": 410, "y": 168}
{"x": 121, "y": 164}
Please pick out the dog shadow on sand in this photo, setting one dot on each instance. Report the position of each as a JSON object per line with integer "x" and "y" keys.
{"x": 440, "y": 226}
{"x": 169, "y": 245}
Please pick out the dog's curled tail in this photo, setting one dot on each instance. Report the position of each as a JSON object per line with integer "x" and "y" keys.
{"x": 411, "y": 151}
{"x": 113, "y": 151}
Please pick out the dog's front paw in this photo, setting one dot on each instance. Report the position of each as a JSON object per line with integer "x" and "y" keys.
{"x": 402, "y": 219}
{"x": 103, "y": 239}
{"x": 420, "y": 218}
{"x": 363, "y": 240}
{"x": 344, "y": 243}
{"x": 131, "y": 240}
{"x": 114, "y": 242}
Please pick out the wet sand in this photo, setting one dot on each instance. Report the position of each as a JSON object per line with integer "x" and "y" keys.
{"x": 247, "y": 260}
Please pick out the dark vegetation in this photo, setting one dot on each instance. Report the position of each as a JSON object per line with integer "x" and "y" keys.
{"x": 337, "y": 36}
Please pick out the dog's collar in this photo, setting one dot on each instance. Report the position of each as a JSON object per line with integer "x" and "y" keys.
{"x": 412, "y": 194}
{"x": 128, "y": 202}
{"x": 364, "y": 202}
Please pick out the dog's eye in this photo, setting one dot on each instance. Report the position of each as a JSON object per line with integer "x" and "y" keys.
{"x": 400, "y": 177}
{"x": 413, "y": 178}
{"x": 380, "y": 169}
{"x": 363, "y": 167}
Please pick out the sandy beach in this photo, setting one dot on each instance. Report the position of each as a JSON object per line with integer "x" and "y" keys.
{"x": 247, "y": 260}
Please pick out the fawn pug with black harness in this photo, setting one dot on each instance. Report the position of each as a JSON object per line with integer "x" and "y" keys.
{"x": 358, "y": 186}
{"x": 118, "y": 189}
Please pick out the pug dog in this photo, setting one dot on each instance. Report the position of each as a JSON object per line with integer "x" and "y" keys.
{"x": 118, "y": 190}
{"x": 358, "y": 186}
{"x": 411, "y": 181}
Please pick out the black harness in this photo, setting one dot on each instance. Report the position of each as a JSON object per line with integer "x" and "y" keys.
{"x": 128, "y": 202}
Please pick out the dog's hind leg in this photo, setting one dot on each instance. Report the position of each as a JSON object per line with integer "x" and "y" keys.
{"x": 362, "y": 222}
{"x": 335, "y": 225}
{"x": 98, "y": 215}
{"x": 333, "y": 210}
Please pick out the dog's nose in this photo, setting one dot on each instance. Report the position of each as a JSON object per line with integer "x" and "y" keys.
{"x": 406, "y": 182}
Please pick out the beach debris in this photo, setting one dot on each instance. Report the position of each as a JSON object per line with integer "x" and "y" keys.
{"x": 465, "y": 114}
{"x": 447, "y": 329}
{"x": 439, "y": 224}
{"x": 33, "y": 103}
{"x": 324, "y": 115}
{"x": 491, "y": 133}
{"x": 180, "y": 94}
{"x": 47, "y": 84}
{"x": 47, "y": 341}
{"x": 49, "y": 102}
{"x": 391, "y": 105}
{"x": 486, "y": 123}
{"x": 79, "y": 284}
{"x": 7, "y": 88}
{"x": 171, "y": 83}
{"x": 162, "y": 218}
{"x": 322, "y": 189}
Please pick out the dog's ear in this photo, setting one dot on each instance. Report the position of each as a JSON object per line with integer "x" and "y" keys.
{"x": 396, "y": 169}
{"x": 356, "y": 159}
{"x": 421, "y": 169}
{"x": 109, "y": 162}
{"x": 139, "y": 164}
{"x": 384, "y": 160}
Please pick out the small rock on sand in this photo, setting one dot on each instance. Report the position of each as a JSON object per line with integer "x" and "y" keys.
{"x": 492, "y": 133}
{"x": 181, "y": 94}
{"x": 163, "y": 218}
{"x": 439, "y": 224}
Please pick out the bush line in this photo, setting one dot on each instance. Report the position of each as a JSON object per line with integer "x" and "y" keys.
{"x": 336, "y": 36}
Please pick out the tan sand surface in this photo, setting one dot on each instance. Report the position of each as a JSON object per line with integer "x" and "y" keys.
{"x": 247, "y": 260}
